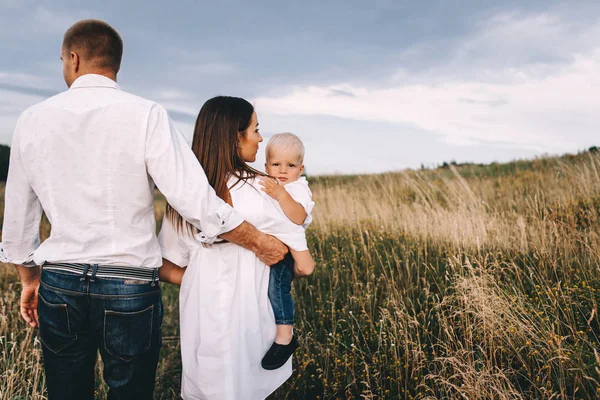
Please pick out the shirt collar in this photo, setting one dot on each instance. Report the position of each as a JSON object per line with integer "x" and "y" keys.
{"x": 94, "y": 80}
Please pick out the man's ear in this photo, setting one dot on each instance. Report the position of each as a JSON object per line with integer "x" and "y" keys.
{"x": 75, "y": 61}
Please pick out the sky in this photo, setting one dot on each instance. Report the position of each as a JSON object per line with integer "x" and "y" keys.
{"x": 369, "y": 86}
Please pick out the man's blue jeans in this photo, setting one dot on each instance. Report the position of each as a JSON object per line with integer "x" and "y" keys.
{"x": 79, "y": 316}
{"x": 280, "y": 285}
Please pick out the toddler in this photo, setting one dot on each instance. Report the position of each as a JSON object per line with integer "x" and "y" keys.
{"x": 284, "y": 162}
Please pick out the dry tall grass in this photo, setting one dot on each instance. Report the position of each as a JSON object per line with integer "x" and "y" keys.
{"x": 476, "y": 282}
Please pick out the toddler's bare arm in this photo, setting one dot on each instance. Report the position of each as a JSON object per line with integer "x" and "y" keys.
{"x": 292, "y": 209}
{"x": 304, "y": 265}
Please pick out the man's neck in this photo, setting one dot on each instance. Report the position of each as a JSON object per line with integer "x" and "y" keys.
{"x": 109, "y": 74}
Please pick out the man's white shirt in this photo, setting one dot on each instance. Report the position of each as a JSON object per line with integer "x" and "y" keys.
{"x": 89, "y": 158}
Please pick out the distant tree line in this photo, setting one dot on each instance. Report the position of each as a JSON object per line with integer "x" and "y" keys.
{"x": 4, "y": 157}
{"x": 446, "y": 165}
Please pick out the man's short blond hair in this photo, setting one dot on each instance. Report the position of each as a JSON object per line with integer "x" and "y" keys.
{"x": 286, "y": 142}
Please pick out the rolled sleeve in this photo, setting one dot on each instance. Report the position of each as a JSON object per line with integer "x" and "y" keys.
{"x": 227, "y": 219}
{"x": 180, "y": 177}
{"x": 22, "y": 211}
{"x": 27, "y": 261}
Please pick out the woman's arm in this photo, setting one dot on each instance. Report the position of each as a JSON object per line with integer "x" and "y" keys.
{"x": 170, "y": 272}
{"x": 304, "y": 265}
{"x": 292, "y": 209}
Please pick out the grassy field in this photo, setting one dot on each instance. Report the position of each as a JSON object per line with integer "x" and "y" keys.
{"x": 474, "y": 282}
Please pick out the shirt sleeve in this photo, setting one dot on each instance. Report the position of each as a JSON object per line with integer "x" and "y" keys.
{"x": 179, "y": 176}
{"x": 172, "y": 244}
{"x": 22, "y": 210}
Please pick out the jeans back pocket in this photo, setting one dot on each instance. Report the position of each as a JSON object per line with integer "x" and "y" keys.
{"x": 55, "y": 328}
{"x": 128, "y": 335}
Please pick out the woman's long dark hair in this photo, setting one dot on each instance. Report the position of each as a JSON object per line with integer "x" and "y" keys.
{"x": 216, "y": 147}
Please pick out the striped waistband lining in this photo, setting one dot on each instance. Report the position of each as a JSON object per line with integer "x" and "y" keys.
{"x": 106, "y": 271}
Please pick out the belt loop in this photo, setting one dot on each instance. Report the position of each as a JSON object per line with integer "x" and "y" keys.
{"x": 154, "y": 277}
{"x": 94, "y": 270}
{"x": 85, "y": 271}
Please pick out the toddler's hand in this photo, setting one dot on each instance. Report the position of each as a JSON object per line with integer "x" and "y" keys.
{"x": 272, "y": 187}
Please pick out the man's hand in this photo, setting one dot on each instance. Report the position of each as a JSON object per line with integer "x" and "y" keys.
{"x": 29, "y": 302}
{"x": 271, "y": 250}
{"x": 271, "y": 187}
{"x": 267, "y": 248}
{"x": 30, "y": 279}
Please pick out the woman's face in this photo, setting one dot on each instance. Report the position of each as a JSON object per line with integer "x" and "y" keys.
{"x": 249, "y": 140}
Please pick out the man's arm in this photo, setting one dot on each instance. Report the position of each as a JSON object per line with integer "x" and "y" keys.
{"x": 21, "y": 227}
{"x": 30, "y": 279}
{"x": 267, "y": 248}
{"x": 178, "y": 174}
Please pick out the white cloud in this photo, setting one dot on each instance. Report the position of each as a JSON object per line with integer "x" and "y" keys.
{"x": 55, "y": 21}
{"x": 527, "y": 81}
{"x": 32, "y": 23}
{"x": 171, "y": 95}
{"x": 210, "y": 68}
{"x": 25, "y": 80}
{"x": 187, "y": 109}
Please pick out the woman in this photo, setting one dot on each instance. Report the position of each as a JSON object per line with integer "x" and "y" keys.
{"x": 227, "y": 322}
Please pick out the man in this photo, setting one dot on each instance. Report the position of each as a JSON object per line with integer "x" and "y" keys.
{"x": 89, "y": 158}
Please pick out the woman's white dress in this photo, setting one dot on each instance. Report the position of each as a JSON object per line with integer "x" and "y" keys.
{"x": 227, "y": 322}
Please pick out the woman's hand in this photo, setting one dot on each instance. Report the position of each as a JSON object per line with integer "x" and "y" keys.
{"x": 170, "y": 272}
{"x": 272, "y": 187}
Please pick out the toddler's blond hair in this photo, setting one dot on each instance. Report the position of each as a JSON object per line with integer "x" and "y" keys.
{"x": 286, "y": 142}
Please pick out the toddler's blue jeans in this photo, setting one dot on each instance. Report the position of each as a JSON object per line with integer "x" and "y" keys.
{"x": 280, "y": 285}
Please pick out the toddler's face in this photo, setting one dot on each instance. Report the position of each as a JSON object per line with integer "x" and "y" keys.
{"x": 285, "y": 166}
